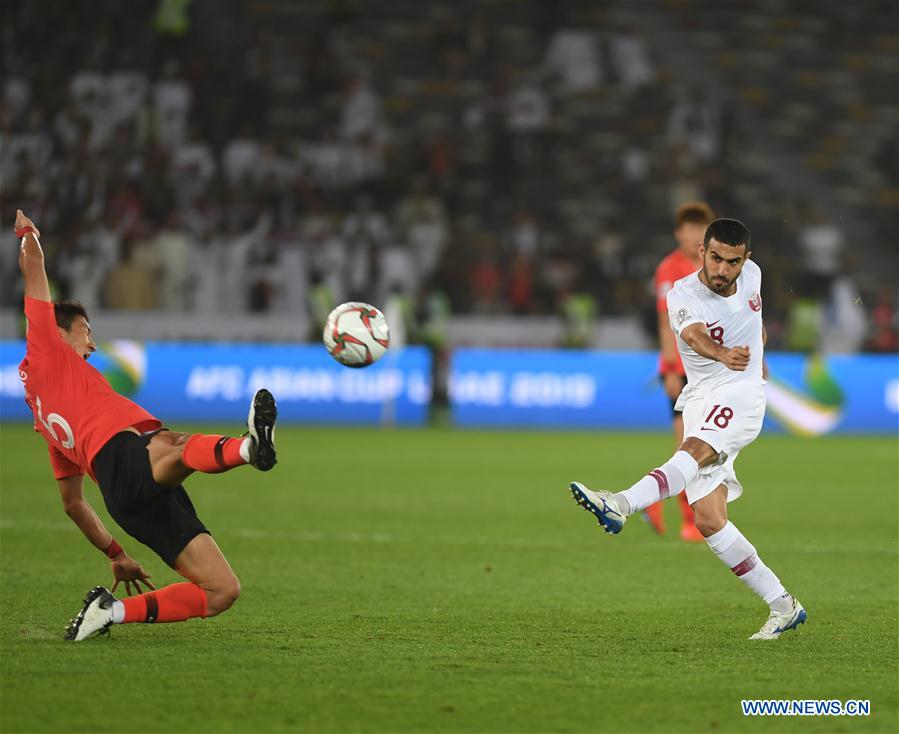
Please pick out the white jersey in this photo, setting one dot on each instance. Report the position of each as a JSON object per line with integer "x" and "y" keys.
{"x": 734, "y": 321}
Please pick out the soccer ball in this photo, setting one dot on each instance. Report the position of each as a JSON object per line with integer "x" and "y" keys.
{"x": 356, "y": 334}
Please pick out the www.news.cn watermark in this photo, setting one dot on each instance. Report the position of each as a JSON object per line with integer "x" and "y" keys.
{"x": 805, "y": 707}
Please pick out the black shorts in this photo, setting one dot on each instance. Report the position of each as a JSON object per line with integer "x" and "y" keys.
{"x": 162, "y": 518}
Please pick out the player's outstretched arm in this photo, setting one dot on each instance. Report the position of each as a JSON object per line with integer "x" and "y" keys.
{"x": 124, "y": 569}
{"x": 31, "y": 259}
{"x": 734, "y": 358}
{"x": 81, "y": 513}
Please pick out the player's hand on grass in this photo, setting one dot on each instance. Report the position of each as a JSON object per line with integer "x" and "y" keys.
{"x": 22, "y": 221}
{"x": 735, "y": 358}
{"x": 129, "y": 572}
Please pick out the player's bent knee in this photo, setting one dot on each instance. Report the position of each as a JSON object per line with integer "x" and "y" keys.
{"x": 222, "y": 597}
{"x": 709, "y": 524}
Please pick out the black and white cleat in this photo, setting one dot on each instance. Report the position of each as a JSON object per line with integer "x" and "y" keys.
{"x": 261, "y": 427}
{"x": 94, "y": 618}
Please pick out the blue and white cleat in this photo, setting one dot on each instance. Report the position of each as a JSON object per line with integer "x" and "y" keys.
{"x": 602, "y": 505}
{"x": 779, "y": 622}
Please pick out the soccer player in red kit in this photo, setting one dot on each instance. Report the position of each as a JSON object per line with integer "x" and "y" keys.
{"x": 138, "y": 464}
{"x": 690, "y": 222}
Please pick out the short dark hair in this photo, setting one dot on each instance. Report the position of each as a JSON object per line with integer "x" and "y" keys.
{"x": 693, "y": 212}
{"x": 66, "y": 312}
{"x": 728, "y": 232}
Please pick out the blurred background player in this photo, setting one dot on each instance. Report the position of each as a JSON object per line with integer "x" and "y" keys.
{"x": 717, "y": 315}
{"x": 690, "y": 222}
{"x": 139, "y": 465}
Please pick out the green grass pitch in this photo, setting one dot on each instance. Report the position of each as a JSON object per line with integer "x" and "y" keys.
{"x": 444, "y": 581}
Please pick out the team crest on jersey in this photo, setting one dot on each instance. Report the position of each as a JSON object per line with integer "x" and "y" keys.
{"x": 755, "y": 302}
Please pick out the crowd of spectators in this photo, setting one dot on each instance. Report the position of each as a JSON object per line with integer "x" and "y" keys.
{"x": 261, "y": 158}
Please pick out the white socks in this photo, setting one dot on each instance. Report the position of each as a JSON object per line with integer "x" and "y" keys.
{"x": 666, "y": 481}
{"x": 739, "y": 556}
{"x": 245, "y": 449}
{"x": 728, "y": 544}
{"x": 118, "y": 612}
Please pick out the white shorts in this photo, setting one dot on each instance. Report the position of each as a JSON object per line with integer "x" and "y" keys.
{"x": 727, "y": 418}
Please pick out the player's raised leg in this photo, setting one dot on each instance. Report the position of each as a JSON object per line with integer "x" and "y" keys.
{"x": 175, "y": 456}
{"x": 654, "y": 515}
{"x": 741, "y": 557}
{"x": 602, "y": 505}
{"x": 665, "y": 481}
{"x": 212, "y": 588}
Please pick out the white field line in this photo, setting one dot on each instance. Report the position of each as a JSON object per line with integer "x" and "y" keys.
{"x": 312, "y": 536}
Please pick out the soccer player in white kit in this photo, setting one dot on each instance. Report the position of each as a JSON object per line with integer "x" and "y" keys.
{"x": 716, "y": 314}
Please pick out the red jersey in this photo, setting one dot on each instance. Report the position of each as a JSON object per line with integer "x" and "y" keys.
{"x": 675, "y": 266}
{"x": 75, "y": 409}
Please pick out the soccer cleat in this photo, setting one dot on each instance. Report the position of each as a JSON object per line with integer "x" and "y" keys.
{"x": 602, "y": 505}
{"x": 261, "y": 427}
{"x": 94, "y": 618}
{"x": 779, "y": 622}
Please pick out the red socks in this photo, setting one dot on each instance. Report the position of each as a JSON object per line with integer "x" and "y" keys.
{"x": 212, "y": 454}
{"x": 657, "y": 519}
{"x": 685, "y": 510}
{"x": 174, "y": 603}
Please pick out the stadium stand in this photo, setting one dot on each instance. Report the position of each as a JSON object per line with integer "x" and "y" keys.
{"x": 509, "y": 155}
